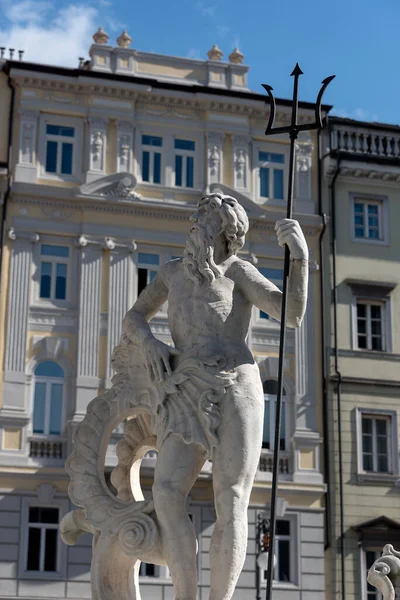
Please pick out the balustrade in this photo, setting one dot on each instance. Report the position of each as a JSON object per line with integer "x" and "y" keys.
{"x": 364, "y": 142}
{"x": 46, "y": 448}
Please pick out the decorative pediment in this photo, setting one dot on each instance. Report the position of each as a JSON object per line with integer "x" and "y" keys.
{"x": 379, "y": 531}
{"x": 119, "y": 186}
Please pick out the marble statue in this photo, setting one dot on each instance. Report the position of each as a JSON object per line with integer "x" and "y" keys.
{"x": 199, "y": 399}
{"x": 384, "y": 574}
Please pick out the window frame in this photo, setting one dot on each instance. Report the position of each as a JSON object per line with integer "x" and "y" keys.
{"x": 77, "y": 142}
{"x": 272, "y": 148}
{"x": 393, "y": 458}
{"x": 63, "y": 505}
{"x": 383, "y": 217}
{"x": 184, "y": 154}
{"x": 48, "y": 382}
{"x": 272, "y": 399}
{"x": 152, "y": 150}
{"x": 295, "y": 571}
{"x": 72, "y": 274}
{"x": 364, "y": 571}
{"x": 384, "y": 301}
{"x": 368, "y": 302}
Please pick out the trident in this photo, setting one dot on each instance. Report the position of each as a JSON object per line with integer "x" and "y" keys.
{"x": 293, "y": 130}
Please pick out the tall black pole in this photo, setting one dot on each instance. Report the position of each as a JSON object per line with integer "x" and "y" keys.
{"x": 293, "y": 131}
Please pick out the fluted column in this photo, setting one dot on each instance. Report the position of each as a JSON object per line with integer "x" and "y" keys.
{"x": 17, "y": 320}
{"x": 120, "y": 293}
{"x": 87, "y": 381}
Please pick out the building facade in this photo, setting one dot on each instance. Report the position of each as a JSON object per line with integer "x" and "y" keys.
{"x": 362, "y": 175}
{"x": 107, "y": 163}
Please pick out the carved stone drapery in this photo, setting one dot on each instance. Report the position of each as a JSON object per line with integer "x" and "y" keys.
{"x": 214, "y": 157}
{"x": 124, "y": 146}
{"x": 26, "y": 167}
{"x": 241, "y": 161}
{"x": 303, "y": 170}
{"x": 97, "y": 144}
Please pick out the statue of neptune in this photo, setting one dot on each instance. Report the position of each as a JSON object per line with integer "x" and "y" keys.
{"x": 209, "y": 402}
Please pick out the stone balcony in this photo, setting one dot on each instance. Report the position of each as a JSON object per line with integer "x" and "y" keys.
{"x": 47, "y": 448}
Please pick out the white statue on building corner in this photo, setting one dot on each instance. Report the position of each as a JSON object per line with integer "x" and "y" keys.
{"x": 200, "y": 399}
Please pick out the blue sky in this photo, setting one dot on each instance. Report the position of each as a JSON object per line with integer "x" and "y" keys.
{"x": 357, "y": 40}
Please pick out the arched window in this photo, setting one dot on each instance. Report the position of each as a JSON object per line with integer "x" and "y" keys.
{"x": 48, "y": 398}
{"x": 270, "y": 387}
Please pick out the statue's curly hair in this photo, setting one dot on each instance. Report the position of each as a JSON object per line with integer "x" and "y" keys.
{"x": 235, "y": 223}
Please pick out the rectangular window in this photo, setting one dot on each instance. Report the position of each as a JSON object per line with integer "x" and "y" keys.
{"x": 271, "y": 175}
{"x": 376, "y": 443}
{"x": 368, "y": 219}
{"x": 184, "y": 163}
{"x": 269, "y": 422}
{"x": 53, "y": 272}
{"x": 284, "y": 569}
{"x": 372, "y": 593}
{"x": 276, "y": 277}
{"x": 59, "y": 149}
{"x": 42, "y": 549}
{"x": 151, "y": 158}
{"x": 147, "y": 269}
{"x": 370, "y": 325}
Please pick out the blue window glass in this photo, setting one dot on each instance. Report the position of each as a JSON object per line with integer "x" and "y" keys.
{"x": 60, "y": 130}
{"x": 152, "y": 276}
{"x": 189, "y": 171}
{"x": 146, "y": 166}
{"x": 278, "y": 184}
{"x": 61, "y": 281}
{"x": 51, "y": 157}
{"x": 278, "y": 158}
{"x": 39, "y": 407}
{"x": 45, "y": 280}
{"x": 152, "y": 140}
{"x": 372, "y": 209}
{"x": 264, "y": 156}
{"x": 264, "y": 182}
{"x": 50, "y": 250}
{"x": 49, "y": 368}
{"x": 157, "y": 168}
{"x": 148, "y": 259}
{"x": 66, "y": 159}
{"x": 56, "y": 408}
{"x": 178, "y": 170}
{"x": 272, "y": 274}
{"x": 184, "y": 145}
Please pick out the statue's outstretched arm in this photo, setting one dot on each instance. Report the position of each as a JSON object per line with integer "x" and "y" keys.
{"x": 263, "y": 294}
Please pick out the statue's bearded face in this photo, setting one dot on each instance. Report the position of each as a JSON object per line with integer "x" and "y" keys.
{"x": 198, "y": 256}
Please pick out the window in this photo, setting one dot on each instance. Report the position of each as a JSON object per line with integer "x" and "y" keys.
{"x": 184, "y": 163}
{"x": 53, "y": 272}
{"x": 370, "y": 325}
{"x": 48, "y": 399}
{"x": 271, "y": 175}
{"x": 149, "y": 570}
{"x": 147, "y": 269}
{"x": 42, "y": 547}
{"x": 276, "y": 277}
{"x": 368, "y": 219}
{"x": 151, "y": 158}
{"x": 284, "y": 571}
{"x": 270, "y": 388}
{"x": 59, "y": 149}
{"x": 371, "y": 592}
{"x": 376, "y": 443}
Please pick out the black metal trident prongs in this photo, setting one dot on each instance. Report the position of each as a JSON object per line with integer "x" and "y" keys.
{"x": 293, "y": 130}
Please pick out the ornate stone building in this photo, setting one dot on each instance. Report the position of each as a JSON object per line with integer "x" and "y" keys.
{"x": 362, "y": 199}
{"x": 107, "y": 162}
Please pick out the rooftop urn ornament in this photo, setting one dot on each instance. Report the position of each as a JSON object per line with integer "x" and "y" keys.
{"x": 124, "y": 40}
{"x": 215, "y": 53}
{"x": 236, "y": 57}
{"x": 293, "y": 130}
{"x": 100, "y": 37}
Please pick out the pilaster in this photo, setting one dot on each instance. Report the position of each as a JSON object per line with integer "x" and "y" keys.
{"x": 124, "y": 146}
{"x": 25, "y": 169}
{"x": 17, "y": 322}
{"x": 241, "y": 162}
{"x": 120, "y": 293}
{"x": 87, "y": 382}
{"x": 97, "y": 143}
{"x": 303, "y": 183}
{"x": 215, "y": 140}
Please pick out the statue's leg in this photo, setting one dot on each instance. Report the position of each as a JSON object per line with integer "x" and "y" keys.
{"x": 234, "y": 467}
{"x": 177, "y": 467}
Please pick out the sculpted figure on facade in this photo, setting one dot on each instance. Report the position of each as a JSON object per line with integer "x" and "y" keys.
{"x": 200, "y": 399}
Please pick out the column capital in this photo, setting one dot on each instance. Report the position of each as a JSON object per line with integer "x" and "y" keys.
{"x": 115, "y": 244}
{"x": 20, "y": 234}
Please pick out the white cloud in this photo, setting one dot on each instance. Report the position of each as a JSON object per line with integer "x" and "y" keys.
{"x": 360, "y": 114}
{"x": 206, "y": 10}
{"x": 47, "y": 36}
